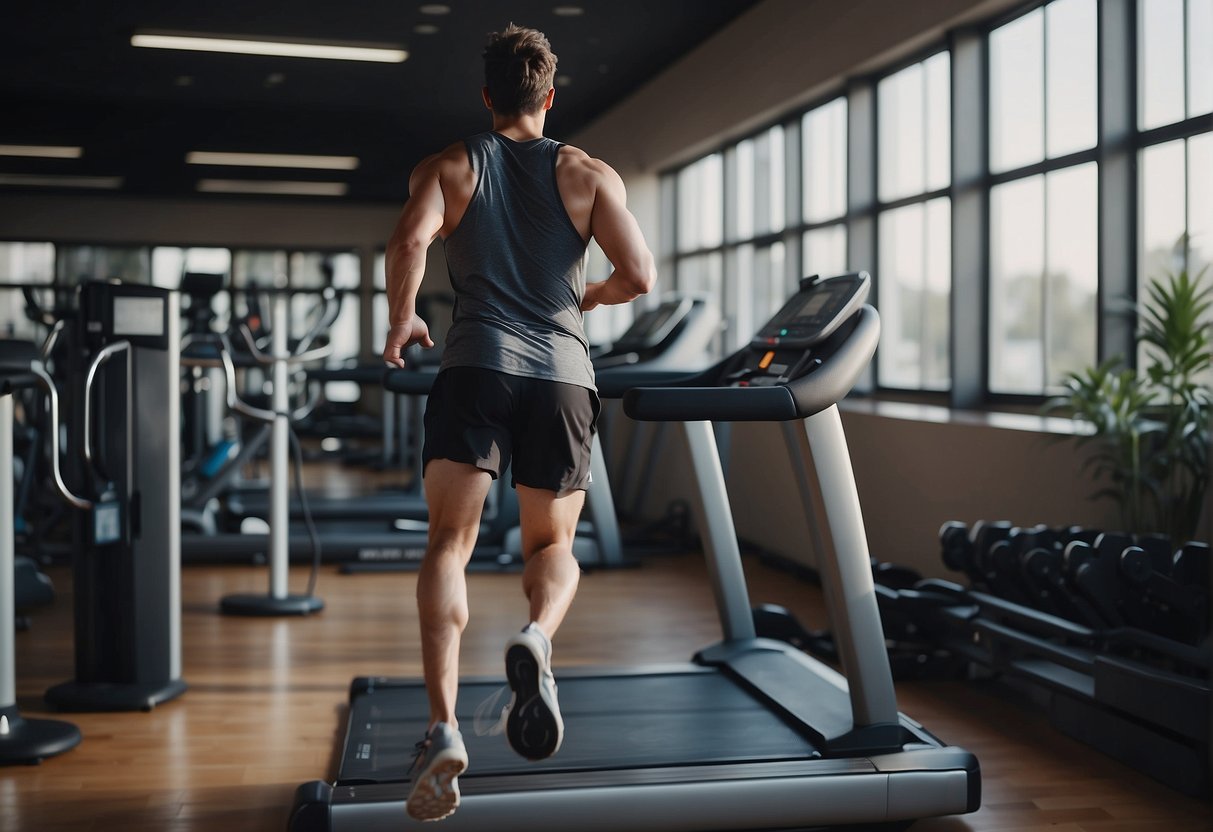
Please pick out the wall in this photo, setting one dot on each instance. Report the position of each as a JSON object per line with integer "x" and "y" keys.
{"x": 913, "y": 474}
{"x": 913, "y": 471}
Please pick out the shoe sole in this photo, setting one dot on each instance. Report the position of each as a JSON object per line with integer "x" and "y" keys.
{"x": 533, "y": 727}
{"x": 435, "y": 793}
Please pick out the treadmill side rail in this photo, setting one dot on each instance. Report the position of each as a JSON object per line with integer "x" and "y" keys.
{"x": 775, "y": 802}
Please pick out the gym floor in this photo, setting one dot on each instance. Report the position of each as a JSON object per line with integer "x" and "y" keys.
{"x": 265, "y": 709}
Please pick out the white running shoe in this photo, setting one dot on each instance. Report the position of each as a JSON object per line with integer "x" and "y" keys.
{"x": 533, "y": 726}
{"x": 441, "y": 758}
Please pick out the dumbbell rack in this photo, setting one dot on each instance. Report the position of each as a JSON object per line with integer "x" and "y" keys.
{"x": 1138, "y": 696}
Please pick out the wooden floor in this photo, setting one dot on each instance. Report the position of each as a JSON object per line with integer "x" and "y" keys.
{"x": 264, "y": 711}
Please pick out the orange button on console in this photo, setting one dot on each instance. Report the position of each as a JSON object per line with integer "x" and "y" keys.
{"x": 766, "y": 360}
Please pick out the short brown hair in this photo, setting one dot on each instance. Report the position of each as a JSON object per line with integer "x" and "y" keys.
{"x": 518, "y": 70}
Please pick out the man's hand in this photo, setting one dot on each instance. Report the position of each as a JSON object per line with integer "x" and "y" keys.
{"x": 589, "y": 300}
{"x": 403, "y": 335}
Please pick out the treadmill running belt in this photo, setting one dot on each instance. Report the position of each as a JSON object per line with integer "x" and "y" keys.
{"x": 610, "y": 722}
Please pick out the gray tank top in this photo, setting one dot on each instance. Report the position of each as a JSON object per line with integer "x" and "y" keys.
{"x": 517, "y": 266}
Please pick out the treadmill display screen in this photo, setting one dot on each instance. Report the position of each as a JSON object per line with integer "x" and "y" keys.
{"x": 817, "y": 302}
{"x": 814, "y": 312}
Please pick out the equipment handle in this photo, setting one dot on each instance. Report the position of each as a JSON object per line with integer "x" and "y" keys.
{"x": 229, "y": 373}
{"x": 52, "y": 393}
{"x": 48, "y": 346}
{"x": 267, "y": 359}
{"x": 107, "y": 352}
{"x": 329, "y": 313}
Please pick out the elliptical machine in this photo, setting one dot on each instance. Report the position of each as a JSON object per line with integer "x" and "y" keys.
{"x": 280, "y": 360}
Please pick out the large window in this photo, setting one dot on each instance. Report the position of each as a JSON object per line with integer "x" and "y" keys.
{"x": 1175, "y": 163}
{"x": 21, "y": 265}
{"x": 914, "y": 279}
{"x": 757, "y": 281}
{"x": 1043, "y": 254}
{"x": 701, "y": 204}
{"x": 1043, "y": 281}
{"x": 1010, "y": 196}
{"x": 824, "y": 189}
{"x": 75, "y": 264}
{"x": 752, "y": 217}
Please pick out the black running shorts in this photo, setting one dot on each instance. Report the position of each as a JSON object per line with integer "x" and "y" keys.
{"x": 486, "y": 418}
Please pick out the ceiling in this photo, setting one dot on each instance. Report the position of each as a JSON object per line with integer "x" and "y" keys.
{"x": 69, "y": 76}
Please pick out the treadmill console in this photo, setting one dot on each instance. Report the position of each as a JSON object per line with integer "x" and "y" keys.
{"x": 653, "y": 326}
{"x": 783, "y": 348}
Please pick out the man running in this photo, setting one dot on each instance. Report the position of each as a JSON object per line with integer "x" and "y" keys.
{"x": 516, "y": 211}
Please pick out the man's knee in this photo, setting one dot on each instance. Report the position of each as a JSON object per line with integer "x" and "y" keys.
{"x": 451, "y": 542}
{"x": 562, "y": 548}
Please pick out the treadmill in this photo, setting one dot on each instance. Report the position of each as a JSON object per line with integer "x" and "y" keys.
{"x": 752, "y": 733}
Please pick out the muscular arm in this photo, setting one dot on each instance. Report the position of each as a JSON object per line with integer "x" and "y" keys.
{"x": 419, "y": 223}
{"x": 621, "y": 240}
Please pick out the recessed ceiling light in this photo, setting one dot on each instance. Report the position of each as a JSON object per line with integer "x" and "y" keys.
{"x": 278, "y": 48}
{"x": 184, "y": 80}
{"x": 425, "y": 29}
{"x": 271, "y": 160}
{"x": 563, "y": 80}
{"x": 252, "y": 186}
{"x": 41, "y": 151}
{"x": 435, "y": 8}
{"x": 568, "y": 11}
{"x": 44, "y": 181}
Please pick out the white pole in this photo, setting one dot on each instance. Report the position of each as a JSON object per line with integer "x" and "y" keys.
{"x": 280, "y": 518}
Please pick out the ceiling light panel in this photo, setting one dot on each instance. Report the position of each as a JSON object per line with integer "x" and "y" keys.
{"x": 250, "y": 186}
{"x": 41, "y": 151}
{"x": 288, "y": 49}
{"x": 32, "y": 180}
{"x": 272, "y": 160}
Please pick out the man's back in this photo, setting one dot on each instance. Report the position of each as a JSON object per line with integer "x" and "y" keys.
{"x": 517, "y": 265}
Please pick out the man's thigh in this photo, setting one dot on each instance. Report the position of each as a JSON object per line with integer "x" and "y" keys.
{"x": 455, "y": 493}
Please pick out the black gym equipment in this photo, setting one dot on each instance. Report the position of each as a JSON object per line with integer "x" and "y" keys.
{"x": 22, "y": 740}
{"x": 123, "y": 379}
{"x": 755, "y": 732}
{"x": 1113, "y": 637}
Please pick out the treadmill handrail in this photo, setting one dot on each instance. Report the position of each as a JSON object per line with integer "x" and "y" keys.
{"x": 411, "y": 382}
{"x": 613, "y": 383}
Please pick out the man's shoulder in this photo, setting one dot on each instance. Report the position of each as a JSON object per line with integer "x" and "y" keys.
{"x": 451, "y": 157}
{"x": 576, "y": 159}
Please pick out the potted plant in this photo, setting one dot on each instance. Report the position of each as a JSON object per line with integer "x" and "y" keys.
{"x": 1150, "y": 427}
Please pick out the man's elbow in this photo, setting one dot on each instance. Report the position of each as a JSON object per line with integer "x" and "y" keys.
{"x": 643, "y": 276}
{"x": 403, "y": 244}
